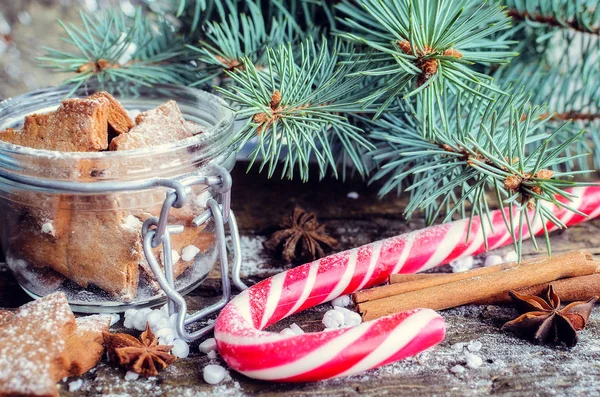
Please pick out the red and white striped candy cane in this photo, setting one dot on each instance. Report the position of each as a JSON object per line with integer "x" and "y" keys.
{"x": 315, "y": 356}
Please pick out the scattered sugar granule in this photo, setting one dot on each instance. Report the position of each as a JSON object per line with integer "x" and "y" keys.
{"x": 214, "y": 374}
{"x": 114, "y": 318}
{"x": 511, "y": 257}
{"x": 75, "y": 385}
{"x": 333, "y": 319}
{"x": 296, "y": 329}
{"x": 173, "y": 320}
{"x": 458, "y": 346}
{"x": 189, "y": 253}
{"x": 153, "y": 318}
{"x": 342, "y": 301}
{"x": 129, "y": 316}
{"x": 202, "y": 199}
{"x": 474, "y": 346}
{"x": 208, "y": 345}
{"x": 287, "y": 332}
{"x": 163, "y": 323}
{"x": 353, "y": 195}
{"x": 351, "y": 318}
{"x": 139, "y": 320}
{"x": 212, "y": 354}
{"x": 165, "y": 336}
{"x": 457, "y": 369}
{"x": 175, "y": 256}
{"x": 130, "y": 375}
{"x": 132, "y": 222}
{"x": 473, "y": 361}
{"x": 48, "y": 228}
{"x": 492, "y": 260}
{"x": 180, "y": 348}
{"x": 462, "y": 264}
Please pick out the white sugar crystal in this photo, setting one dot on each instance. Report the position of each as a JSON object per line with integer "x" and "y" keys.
{"x": 353, "y": 195}
{"x": 189, "y": 253}
{"x": 132, "y": 222}
{"x": 202, "y": 199}
{"x": 165, "y": 336}
{"x": 174, "y": 256}
{"x": 114, "y": 318}
{"x": 458, "y": 346}
{"x": 214, "y": 374}
{"x": 173, "y": 320}
{"x": 462, "y": 264}
{"x": 287, "y": 332}
{"x": 511, "y": 257}
{"x": 139, "y": 320}
{"x": 492, "y": 260}
{"x": 153, "y": 317}
{"x": 163, "y": 323}
{"x": 208, "y": 345}
{"x": 75, "y": 385}
{"x": 473, "y": 361}
{"x": 457, "y": 369}
{"x": 129, "y": 318}
{"x": 333, "y": 319}
{"x": 296, "y": 329}
{"x": 351, "y": 318}
{"x": 474, "y": 346}
{"x": 342, "y": 301}
{"x": 180, "y": 348}
{"x": 130, "y": 375}
{"x": 48, "y": 228}
{"x": 212, "y": 354}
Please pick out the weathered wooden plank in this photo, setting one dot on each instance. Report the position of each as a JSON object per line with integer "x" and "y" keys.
{"x": 511, "y": 366}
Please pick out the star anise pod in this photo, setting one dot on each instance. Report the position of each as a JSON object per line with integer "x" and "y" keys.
{"x": 301, "y": 237}
{"x": 544, "y": 321}
{"x": 143, "y": 356}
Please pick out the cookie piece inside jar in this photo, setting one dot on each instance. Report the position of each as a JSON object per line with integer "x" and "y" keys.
{"x": 85, "y": 240}
{"x": 78, "y": 125}
{"x": 164, "y": 124}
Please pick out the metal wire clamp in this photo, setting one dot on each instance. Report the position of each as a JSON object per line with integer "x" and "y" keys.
{"x": 157, "y": 232}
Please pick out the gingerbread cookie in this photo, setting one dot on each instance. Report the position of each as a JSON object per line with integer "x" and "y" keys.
{"x": 85, "y": 346}
{"x": 118, "y": 119}
{"x": 95, "y": 247}
{"x": 78, "y": 125}
{"x": 165, "y": 124}
{"x": 32, "y": 347}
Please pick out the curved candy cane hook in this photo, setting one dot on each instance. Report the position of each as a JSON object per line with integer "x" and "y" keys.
{"x": 315, "y": 356}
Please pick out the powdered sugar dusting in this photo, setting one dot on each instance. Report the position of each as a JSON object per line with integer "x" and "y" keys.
{"x": 30, "y": 344}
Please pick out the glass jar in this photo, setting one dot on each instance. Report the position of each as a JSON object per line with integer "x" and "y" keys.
{"x": 73, "y": 222}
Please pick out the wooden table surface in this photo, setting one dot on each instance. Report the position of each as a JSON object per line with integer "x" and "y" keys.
{"x": 510, "y": 366}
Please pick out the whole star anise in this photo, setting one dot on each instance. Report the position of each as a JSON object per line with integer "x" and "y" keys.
{"x": 143, "y": 356}
{"x": 544, "y": 321}
{"x": 301, "y": 237}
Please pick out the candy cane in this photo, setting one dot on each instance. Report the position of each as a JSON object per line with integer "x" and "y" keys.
{"x": 315, "y": 356}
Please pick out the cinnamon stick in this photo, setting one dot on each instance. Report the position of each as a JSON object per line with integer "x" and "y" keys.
{"x": 397, "y": 287}
{"x": 572, "y": 289}
{"x": 462, "y": 292}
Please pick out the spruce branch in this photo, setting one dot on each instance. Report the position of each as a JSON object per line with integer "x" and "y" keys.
{"x": 567, "y": 80}
{"x": 581, "y": 16}
{"x": 423, "y": 46}
{"x": 480, "y": 148}
{"x": 238, "y": 36}
{"x": 113, "y": 47}
{"x": 296, "y": 110}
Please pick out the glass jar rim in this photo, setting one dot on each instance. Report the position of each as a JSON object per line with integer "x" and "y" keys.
{"x": 206, "y": 137}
